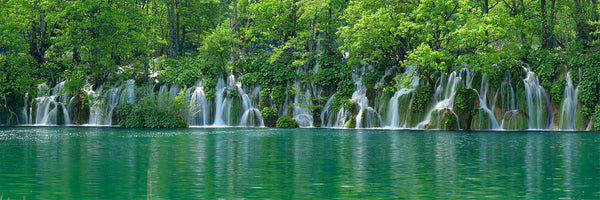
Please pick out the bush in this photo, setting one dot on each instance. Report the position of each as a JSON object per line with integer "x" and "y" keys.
{"x": 147, "y": 113}
{"x": 287, "y": 122}
{"x": 421, "y": 98}
{"x": 278, "y": 94}
{"x": 269, "y": 116}
{"x": 558, "y": 89}
{"x": 327, "y": 77}
{"x": 210, "y": 88}
{"x": 596, "y": 119}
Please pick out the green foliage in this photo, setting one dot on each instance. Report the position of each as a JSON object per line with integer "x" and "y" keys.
{"x": 278, "y": 94}
{"x": 144, "y": 115}
{"x": 17, "y": 76}
{"x": 327, "y": 77}
{"x": 210, "y": 88}
{"x": 372, "y": 77}
{"x": 464, "y": 99}
{"x": 148, "y": 113}
{"x": 346, "y": 88}
{"x": 287, "y": 122}
{"x": 292, "y": 91}
{"x": 351, "y": 123}
{"x": 265, "y": 98}
{"x": 596, "y": 118}
{"x": 340, "y": 102}
{"x": 421, "y": 98}
{"x": 544, "y": 64}
{"x": 558, "y": 88}
{"x": 588, "y": 86}
{"x": 76, "y": 81}
{"x": 185, "y": 71}
{"x": 269, "y": 116}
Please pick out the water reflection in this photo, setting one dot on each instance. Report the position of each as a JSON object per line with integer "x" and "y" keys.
{"x": 107, "y": 163}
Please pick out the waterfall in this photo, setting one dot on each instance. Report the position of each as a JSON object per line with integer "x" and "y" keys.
{"x": 567, "y": 113}
{"x": 332, "y": 118}
{"x": 446, "y": 90}
{"x": 26, "y": 116}
{"x": 198, "y": 113}
{"x": 49, "y": 106}
{"x": 482, "y": 93}
{"x": 302, "y": 104}
{"x": 104, "y": 102}
{"x": 220, "y": 102}
{"x": 537, "y": 102}
{"x": 367, "y": 117}
{"x": 393, "y": 114}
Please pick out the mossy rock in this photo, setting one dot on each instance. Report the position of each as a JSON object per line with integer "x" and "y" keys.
{"x": 236, "y": 112}
{"x": 443, "y": 119}
{"x": 481, "y": 120}
{"x": 415, "y": 117}
{"x": 351, "y": 123}
{"x": 60, "y": 115}
{"x": 581, "y": 123}
{"x": 403, "y": 107}
{"x": 449, "y": 121}
{"x": 269, "y": 116}
{"x": 516, "y": 120}
{"x": 81, "y": 110}
{"x": 465, "y": 101}
{"x": 369, "y": 119}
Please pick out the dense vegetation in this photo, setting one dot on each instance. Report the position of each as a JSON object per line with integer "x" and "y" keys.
{"x": 104, "y": 42}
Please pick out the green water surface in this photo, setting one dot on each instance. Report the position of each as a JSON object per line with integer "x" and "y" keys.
{"x": 234, "y": 163}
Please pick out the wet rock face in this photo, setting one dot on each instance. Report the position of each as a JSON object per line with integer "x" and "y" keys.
{"x": 443, "y": 119}
{"x": 481, "y": 120}
{"x": 516, "y": 120}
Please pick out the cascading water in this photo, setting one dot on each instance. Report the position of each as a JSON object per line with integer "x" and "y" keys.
{"x": 302, "y": 104}
{"x": 220, "y": 102}
{"x": 445, "y": 92}
{"x": 49, "y": 106}
{"x": 537, "y": 102}
{"x": 394, "y": 119}
{"x": 198, "y": 113}
{"x": 234, "y": 104}
{"x": 103, "y": 103}
{"x": 482, "y": 93}
{"x": 569, "y": 106}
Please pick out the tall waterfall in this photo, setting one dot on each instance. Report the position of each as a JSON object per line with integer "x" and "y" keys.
{"x": 537, "y": 102}
{"x": 567, "y": 112}
{"x": 394, "y": 119}
{"x": 198, "y": 113}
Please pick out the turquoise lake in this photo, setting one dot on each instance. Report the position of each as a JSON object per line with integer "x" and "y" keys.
{"x": 260, "y": 163}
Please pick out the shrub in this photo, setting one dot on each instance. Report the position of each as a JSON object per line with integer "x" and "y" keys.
{"x": 269, "y": 116}
{"x": 278, "y": 94}
{"x": 210, "y": 88}
{"x": 148, "y": 114}
{"x": 327, "y": 77}
{"x": 558, "y": 89}
{"x": 287, "y": 122}
{"x": 421, "y": 98}
{"x": 596, "y": 119}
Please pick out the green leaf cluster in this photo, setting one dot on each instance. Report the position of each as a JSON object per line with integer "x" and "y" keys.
{"x": 421, "y": 98}
{"x": 269, "y": 116}
{"x": 148, "y": 113}
{"x": 287, "y": 122}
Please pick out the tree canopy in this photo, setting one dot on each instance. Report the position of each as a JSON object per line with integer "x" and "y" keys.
{"x": 100, "y": 41}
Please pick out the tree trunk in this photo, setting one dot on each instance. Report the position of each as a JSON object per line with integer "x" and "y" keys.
{"x": 172, "y": 52}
